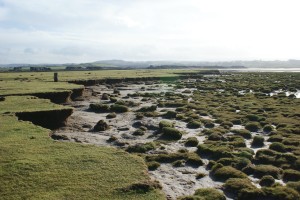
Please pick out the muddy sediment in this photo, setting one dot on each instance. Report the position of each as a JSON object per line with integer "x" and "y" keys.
{"x": 177, "y": 181}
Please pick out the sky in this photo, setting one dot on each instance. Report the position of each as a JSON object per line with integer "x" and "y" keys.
{"x": 76, "y": 31}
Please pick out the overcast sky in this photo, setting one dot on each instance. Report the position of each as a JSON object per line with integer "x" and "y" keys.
{"x": 60, "y": 31}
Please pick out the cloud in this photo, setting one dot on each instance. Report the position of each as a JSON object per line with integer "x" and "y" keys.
{"x": 69, "y": 51}
{"x": 127, "y": 21}
{"x": 3, "y": 13}
{"x": 88, "y": 30}
{"x": 30, "y": 51}
{"x": 4, "y": 51}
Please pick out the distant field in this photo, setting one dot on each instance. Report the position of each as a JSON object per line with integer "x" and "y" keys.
{"x": 42, "y": 82}
{"x": 84, "y": 75}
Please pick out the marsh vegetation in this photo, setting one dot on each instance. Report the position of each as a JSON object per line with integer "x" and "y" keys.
{"x": 233, "y": 135}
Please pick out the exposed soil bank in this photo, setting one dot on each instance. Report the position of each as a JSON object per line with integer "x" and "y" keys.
{"x": 202, "y": 72}
{"x": 77, "y": 93}
{"x": 55, "y": 97}
{"x": 121, "y": 80}
{"x": 52, "y": 119}
{"x": 61, "y": 97}
{"x": 167, "y": 78}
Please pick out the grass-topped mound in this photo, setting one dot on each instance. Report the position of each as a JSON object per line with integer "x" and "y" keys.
{"x": 226, "y": 172}
{"x": 119, "y": 108}
{"x": 252, "y": 126}
{"x": 271, "y": 157}
{"x": 236, "y": 185}
{"x": 191, "y": 159}
{"x": 243, "y": 189}
{"x": 99, "y": 107}
{"x": 280, "y": 192}
{"x": 45, "y": 169}
{"x": 141, "y": 148}
{"x": 266, "y": 181}
{"x": 103, "y": 108}
{"x": 262, "y": 170}
{"x": 171, "y": 133}
{"x": 294, "y": 185}
{"x": 258, "y": 141}
{"x": 214, "y": 151}
{"x": 242, "y": 132}
{"x": 291, "y": 175}
{"x": 164, "y": 123}
{"x": 194, "y": 124}
{"x": 191, "y": 142}
{"x": 205, "y": 194}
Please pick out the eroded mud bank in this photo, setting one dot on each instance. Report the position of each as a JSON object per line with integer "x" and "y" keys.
{"x": 52, "y": 119}
{"x": 59, "y": 97}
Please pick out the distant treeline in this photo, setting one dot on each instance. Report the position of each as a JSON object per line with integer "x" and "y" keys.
{"x": 69, "y": 68}
{"x": 94, "y": 68}
{"x": 40, "y": 69}
{"x": 32, "y": 69}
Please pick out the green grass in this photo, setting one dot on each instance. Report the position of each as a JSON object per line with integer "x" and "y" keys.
{"x": 24, "y": 87}
{"x": 84, "y": 75}
{"x": 15, "y": 104}
{"x": 12, "y": 83}
{"x": 33, "y": 166}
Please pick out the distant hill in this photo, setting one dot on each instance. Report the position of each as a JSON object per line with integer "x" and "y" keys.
{"x": 194, "y": 67}
{"x": 201, "y": 64}
{"x": 117, "y": 64}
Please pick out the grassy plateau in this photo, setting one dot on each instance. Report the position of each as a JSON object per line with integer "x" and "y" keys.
{"x": 33, "y": 166}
